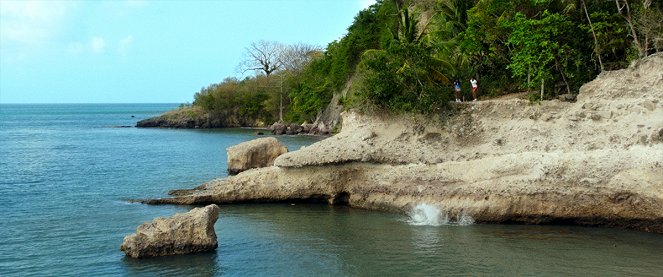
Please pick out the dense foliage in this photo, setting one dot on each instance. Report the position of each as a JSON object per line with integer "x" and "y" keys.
{"x": 401, "y": 55}
{"x": 237, "y": 102}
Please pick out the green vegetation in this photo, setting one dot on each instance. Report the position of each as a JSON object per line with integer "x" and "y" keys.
{"x": 402, "y": 55}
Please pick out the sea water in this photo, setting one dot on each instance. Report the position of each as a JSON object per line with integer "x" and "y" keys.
{"x": 67, "y": 171}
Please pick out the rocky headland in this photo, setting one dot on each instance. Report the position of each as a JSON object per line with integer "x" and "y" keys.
{"x": 190, "y": 117}
{"x": 595, "y": 162}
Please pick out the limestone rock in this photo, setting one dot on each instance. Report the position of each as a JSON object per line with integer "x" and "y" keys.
{"x": 568, "y": 97}
{"x": 180, "y": 234}
{"x": 254, "y": 154}
{"x": 595, "y": 162}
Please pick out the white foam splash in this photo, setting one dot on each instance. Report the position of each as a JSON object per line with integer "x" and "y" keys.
{"x": 426, "y": 214}
{"x": 464, "y": 220}
{"x": 431, "y": 215}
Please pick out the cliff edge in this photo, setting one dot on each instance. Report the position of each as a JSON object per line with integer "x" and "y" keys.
{"x": 597, "y": 162}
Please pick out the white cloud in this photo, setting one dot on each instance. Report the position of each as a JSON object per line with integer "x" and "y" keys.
{"x": 28, "y": 28}
{"x": 97, "y": 45}
{"x": 27, "y": 23}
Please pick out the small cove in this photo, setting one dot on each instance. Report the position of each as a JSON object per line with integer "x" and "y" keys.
{"x": 66, "y": 173}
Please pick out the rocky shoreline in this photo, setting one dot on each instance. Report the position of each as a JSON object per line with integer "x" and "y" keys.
{"x": 595, "y": 162}
{"x": 193, "y": 118}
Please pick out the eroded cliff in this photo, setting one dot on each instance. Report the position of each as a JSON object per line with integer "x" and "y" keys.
{"x": 598, "y": 161}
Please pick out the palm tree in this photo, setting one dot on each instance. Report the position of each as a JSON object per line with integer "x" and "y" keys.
{"x": 410, "y": 34}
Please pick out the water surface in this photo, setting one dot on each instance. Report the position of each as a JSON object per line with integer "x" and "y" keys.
{"x": 66, "y": 171}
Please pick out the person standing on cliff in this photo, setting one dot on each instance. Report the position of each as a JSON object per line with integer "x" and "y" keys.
{"x": 475, "y": 87}
{"x": 457, "y": 87}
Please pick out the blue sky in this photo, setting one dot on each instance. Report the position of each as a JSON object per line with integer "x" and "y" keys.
{"x": 137, "y": 51}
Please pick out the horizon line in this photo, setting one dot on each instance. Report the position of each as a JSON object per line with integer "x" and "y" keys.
{"x": 85, "y": 103}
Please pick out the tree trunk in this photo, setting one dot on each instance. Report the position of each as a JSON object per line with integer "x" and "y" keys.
{"x": 596, "y": 43}
{"x": 629, "y": 20}
{"x": 542, "y": 88}
{"x": 568, "y": 88}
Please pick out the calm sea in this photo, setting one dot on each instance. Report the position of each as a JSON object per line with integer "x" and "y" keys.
{"x": 66, "y": 172}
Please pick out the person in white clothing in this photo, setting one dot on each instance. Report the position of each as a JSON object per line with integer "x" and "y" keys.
{"x": 475, "y": 86}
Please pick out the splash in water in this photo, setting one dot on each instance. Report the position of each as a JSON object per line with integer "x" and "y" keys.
{"x": 431, "y": 215}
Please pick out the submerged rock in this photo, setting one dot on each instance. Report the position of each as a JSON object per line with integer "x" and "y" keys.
{"x": 180, "y": 234}
{"x": 254, "y": 154}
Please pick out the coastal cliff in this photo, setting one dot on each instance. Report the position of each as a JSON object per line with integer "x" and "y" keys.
{"x": 596, "y": 162}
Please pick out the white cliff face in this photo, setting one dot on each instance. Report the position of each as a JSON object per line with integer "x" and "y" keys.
{"x": 598, "y": 161}
{"x": 256, "y": 153}
{"x": 180, "y": 234}
{"x": 618, "y": 110}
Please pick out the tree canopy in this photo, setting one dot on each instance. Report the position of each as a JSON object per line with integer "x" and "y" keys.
{"x": 399, "y": 55}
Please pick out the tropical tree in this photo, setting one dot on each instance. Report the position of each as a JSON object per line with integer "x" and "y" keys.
{"x": 406, "y": 76}
{"x": 539, "y": 46}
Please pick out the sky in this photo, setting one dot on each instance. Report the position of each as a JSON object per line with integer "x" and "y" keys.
{"x": 137, "y": 51}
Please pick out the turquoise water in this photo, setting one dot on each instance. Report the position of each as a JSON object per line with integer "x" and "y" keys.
{"x": 65, "y": 173}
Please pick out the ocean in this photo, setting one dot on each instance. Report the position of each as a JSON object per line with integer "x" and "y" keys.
{"x": 67, "y": 171}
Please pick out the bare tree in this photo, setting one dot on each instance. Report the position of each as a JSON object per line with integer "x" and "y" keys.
{"x": 645, "y": 24}
{"x": 596, "y": 42}
{"x": 262, "y": 56}
{"x": 295, "y": 57}
{"x": 270, "y": 56}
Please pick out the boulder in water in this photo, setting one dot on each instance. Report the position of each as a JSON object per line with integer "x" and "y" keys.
{"x": 180, "y": 234}
{"x": 278, "y": 128}
{"x": 254, "y": 154}
{"x": 306, "y": 128}
{"x": 294, "y": 129}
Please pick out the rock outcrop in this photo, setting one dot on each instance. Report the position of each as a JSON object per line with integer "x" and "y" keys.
{"x": 256, "y": 153}
{"x": 596, "y": 162}
{"x": 195, "y": 117}
{"x": 180, "y": 234}
{"x": 279, "y": 128}
{"x": 330, "y": 118}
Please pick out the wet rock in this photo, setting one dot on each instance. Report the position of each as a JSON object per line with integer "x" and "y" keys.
{"x": 294, "y": 129}
{"x": 307, "y": 127}
{"x": 278, "y": 128}
{"x": 254, "y": 154}
{"x": 180, "y": 234}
